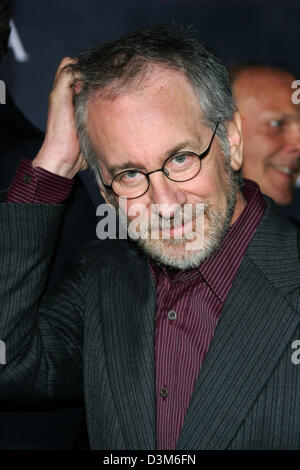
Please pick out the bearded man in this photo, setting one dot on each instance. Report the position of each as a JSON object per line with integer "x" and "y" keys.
{"x": 185, "y": 337}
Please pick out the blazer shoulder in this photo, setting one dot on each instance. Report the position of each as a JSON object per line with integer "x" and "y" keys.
{"x": 275, "y": 249}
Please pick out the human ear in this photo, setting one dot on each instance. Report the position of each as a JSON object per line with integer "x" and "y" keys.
{"x": 235, "y": 139}
{"x": 104, "y": 194}
{"x": 109, "y": 199}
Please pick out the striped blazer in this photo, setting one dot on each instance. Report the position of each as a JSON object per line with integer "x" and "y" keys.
{"x": 94, "y": 337}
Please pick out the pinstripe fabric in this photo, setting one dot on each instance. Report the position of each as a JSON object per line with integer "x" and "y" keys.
{"x": 197, "y": 297}
{"x": 95, "y": 336}
{"x": 243, "y": 354}
{"x": 181, "y": 346}
{"x": 257, "y": 326}
{"x": 41, "y": 186}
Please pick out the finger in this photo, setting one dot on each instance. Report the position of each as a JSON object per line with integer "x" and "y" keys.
{"x": 67, "y": 83}
{"x": 64, "y": 67}
{"x": 64, "y": 63}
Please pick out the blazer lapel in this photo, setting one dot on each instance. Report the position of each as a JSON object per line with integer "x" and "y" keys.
{"x": 254, "y": 329}
{"x": 129, "y": 336}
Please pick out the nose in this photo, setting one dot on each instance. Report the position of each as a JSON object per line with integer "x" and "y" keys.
{"x": 166, "y": 196}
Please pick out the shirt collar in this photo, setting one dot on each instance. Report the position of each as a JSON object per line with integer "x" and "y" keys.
{"x": 220, "y": 269}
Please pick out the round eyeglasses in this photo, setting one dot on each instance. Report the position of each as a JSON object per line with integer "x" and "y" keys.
{"x": 183, "y": 166}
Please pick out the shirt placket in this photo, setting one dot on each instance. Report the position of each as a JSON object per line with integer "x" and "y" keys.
{"x": 167, "y": 343}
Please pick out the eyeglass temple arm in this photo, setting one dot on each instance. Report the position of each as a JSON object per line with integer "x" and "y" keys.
{"x": 211, "y": 141}
{"x": 107, "y": 186}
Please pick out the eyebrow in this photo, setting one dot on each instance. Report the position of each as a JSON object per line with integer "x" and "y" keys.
{"x": 115, "y": 169}
{"x": 292, "y": 117}
{"x": 282, "y": 115}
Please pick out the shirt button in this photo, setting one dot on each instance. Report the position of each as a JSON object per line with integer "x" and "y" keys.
{"x": 172, "y": 315}
{"x": 164, "y": 392}
{"x": 26, "y": 179}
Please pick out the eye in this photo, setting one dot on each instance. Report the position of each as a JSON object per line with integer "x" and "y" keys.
{"x": 130, "y": 177}
{"x": 180, "y": 159}
{"x": 181, "y": 162}
{"x": 276, "y": 123}
{"x": 130, "y": 174}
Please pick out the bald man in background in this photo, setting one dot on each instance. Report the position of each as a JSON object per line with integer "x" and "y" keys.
{"x": 271, "y": 129}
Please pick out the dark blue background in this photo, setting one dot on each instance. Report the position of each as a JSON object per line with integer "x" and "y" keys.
{"x": 238, "y": 30}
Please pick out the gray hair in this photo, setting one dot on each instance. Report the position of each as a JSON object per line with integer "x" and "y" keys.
{"x": 112, "y": 67}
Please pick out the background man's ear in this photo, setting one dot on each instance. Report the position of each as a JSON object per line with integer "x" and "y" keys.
{"x": 235, "y": 140}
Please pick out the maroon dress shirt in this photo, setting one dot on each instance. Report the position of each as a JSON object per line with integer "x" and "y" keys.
{"x": 36, "y": 185}
{"x": 187, "y": 311}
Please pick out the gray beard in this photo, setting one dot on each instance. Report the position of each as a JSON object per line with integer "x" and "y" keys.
{"x": 162, "y": 251}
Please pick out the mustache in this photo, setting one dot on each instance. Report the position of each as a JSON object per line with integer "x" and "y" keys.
{"x": 183, "y": 215}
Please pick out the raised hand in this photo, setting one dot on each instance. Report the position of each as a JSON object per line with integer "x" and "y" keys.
{"x": 60, "y": 152}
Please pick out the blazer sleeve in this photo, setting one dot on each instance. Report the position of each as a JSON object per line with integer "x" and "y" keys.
{"x": 41, "y": 335}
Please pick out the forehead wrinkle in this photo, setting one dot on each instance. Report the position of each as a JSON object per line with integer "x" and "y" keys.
{"x": 132, "y": 110}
